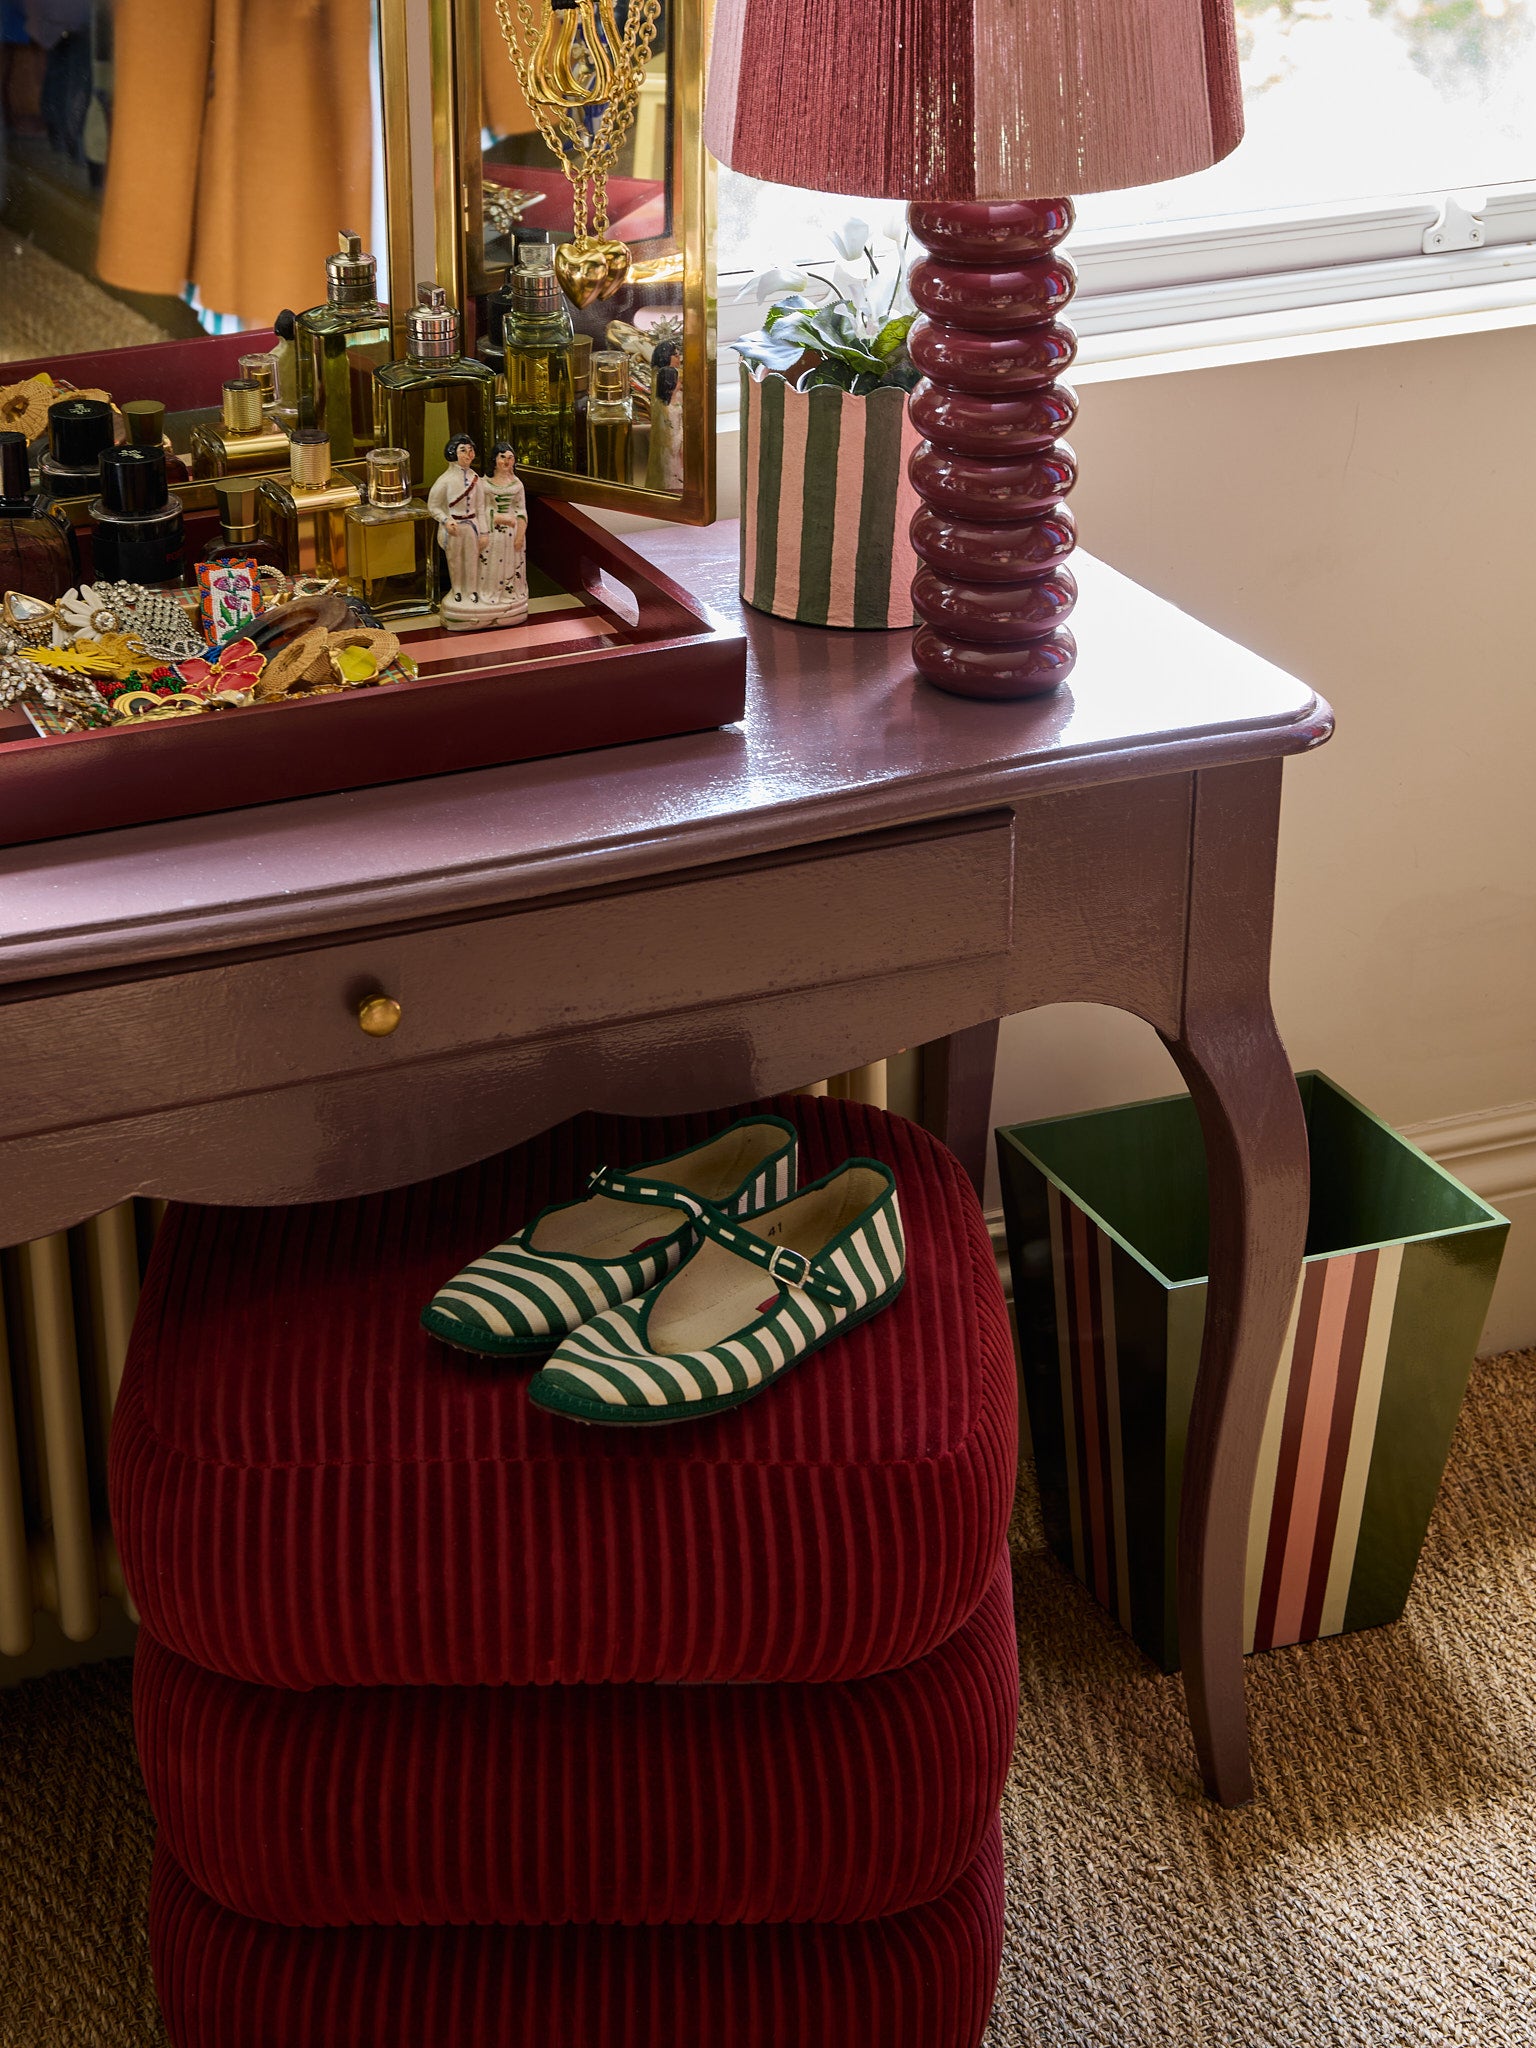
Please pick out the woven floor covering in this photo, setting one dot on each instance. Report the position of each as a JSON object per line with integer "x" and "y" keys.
{"x": 46, "y": 309}
{"x": 1382, "y": 1891}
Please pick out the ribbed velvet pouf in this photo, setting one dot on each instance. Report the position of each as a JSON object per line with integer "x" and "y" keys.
{"x": 463, "y": 1722}
{"x": 922, "y": 1979}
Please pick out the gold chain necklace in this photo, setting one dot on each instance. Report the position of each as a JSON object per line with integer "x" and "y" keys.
{"x": 573, "y": 61}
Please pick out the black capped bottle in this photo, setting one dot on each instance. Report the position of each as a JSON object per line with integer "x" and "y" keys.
{"x": 137, "y": 528}
{"x": 38, "y": 553}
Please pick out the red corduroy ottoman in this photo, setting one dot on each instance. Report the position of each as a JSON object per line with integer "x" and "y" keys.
{"x": 309, "y": 1491}
{"x": 506, "y": 1805}
{"x": 922, "y": 1979}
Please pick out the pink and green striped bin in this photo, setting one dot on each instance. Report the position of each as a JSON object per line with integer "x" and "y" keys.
{"x": 1107, "y": 1226}
{"x": 827, "y": 504}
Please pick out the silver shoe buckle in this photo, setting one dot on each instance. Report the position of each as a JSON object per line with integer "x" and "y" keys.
{"x": 798, "y": 1273}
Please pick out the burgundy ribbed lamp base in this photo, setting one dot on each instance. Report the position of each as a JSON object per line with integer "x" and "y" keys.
{"x": 992, "y": 534}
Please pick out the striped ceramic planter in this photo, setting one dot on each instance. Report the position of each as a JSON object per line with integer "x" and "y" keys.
{"x": 1107, "y": 1225}
{"x": 826, "y": 504}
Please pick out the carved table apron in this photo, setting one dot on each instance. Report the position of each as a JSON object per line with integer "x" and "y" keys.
{"x": 866, "y": 864}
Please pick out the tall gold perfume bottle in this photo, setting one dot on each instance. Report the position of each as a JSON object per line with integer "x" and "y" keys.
{"x": 435, "y": 394}
{"x": 244, "y": 440}
{"x": 541, "y": 386}
{"x": 610, "y": 417}
{"x": 339, "y": 346}
{"x": 307, "y": 516}
{"x": 393, "y": 558}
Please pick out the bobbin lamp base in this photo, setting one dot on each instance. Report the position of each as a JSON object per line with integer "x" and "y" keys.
{"x": 992, "y": 532}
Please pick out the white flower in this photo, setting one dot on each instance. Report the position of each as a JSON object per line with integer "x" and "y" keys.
{"x": 892, "y": 224}
{"x": 851, "y": 239}
{"x": 772, "y": 284}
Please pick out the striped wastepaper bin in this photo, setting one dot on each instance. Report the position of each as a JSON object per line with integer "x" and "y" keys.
{"x": 1107, "y": 1225}
{"x": 826, "y": 503}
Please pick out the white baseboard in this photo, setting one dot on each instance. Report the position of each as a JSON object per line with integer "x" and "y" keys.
{"x": 1492, "y": 1150}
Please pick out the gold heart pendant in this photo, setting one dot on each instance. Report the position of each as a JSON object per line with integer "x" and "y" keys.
{"x": 591, "y": 270}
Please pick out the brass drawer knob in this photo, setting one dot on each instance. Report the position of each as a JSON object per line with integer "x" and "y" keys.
{"x": 378, "y": 1015}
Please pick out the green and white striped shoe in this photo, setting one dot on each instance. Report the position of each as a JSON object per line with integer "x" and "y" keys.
{"x": 578, "y": 1258}
{"x": 705, "y": 1338}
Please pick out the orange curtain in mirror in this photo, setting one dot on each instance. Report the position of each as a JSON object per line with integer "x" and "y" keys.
{"x": 506, "y": 111}
{"x": 242, "y": 140}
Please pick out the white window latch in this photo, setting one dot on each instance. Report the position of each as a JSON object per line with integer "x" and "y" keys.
{"x": 1460, "y": 225}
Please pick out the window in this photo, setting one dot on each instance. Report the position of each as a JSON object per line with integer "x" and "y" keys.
{"x": 1391, "y": 148}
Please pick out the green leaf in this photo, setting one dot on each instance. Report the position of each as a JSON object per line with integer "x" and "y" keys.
{"x": 892, "y": 336}
{"x": 796, "y": 302}
{"x": 832, "y": 372}
{"x": 903, "y": 373}
{"x": 765, "y": 351}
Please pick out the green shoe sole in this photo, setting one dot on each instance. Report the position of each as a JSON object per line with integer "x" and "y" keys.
{"x": 574, "y": 1409}
{"x": 448, "y": 1332}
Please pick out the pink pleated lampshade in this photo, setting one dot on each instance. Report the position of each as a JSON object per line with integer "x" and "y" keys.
{"x": 972, "y": 99}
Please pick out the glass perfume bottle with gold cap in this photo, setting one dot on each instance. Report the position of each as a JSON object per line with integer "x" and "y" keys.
{"x": 245, "y": 438}
{"x": 539, "y": 343}
{"x": 339, "y": 346}
{"x": 307, "y": 516}
{"x": 435, "y": 394}
{"x": 610, "y": 417}
{"x": 392, "y": 550}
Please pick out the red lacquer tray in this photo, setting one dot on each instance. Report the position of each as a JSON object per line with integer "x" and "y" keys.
{"x": 626, "y": 655}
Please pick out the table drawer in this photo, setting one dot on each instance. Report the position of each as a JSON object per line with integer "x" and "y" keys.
{"x": 837, "y": 912}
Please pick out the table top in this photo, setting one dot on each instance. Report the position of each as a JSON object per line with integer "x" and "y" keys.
{"x": 841, "y": 736}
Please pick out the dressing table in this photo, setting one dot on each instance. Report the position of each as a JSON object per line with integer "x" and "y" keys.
{"x": 313, "y": 999}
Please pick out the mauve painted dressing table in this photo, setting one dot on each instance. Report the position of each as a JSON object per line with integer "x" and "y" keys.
{"x": 866, "y": 864}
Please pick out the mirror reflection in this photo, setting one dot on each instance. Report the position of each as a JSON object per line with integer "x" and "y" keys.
{"x": 174, "y": 172}
{"x": 576, "y": 256}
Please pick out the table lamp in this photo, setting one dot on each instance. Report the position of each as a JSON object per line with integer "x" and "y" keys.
{"x": 981, "y": 114}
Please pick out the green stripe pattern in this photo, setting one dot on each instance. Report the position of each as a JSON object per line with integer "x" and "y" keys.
{"x": 515, "y": 1299}
{"x": 607, "y": 1371}
{"x": 848, "y": 560}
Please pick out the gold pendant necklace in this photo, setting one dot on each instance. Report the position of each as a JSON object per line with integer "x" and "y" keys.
{"x": 581, "y": 75}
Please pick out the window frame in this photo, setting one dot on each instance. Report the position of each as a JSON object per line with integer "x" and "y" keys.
{"x": 1285, "y": 260}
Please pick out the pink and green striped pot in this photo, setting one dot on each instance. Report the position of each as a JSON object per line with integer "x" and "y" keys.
{"x": 826, "y": 503}
{"x": 1107, "y": 1230}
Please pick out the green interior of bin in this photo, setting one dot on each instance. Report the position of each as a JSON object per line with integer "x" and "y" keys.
{"x": 1141, "y": 1171}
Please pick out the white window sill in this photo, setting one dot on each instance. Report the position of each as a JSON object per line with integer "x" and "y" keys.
{"x": 1253, "y": 335}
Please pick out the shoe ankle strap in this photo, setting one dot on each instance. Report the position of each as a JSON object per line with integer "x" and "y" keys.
{"x": 624, "y": 1187}
{"x": 794, "y": 1269}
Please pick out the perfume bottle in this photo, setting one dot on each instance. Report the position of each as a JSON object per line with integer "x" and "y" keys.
{"x": 284, "y": 359}
{"x": 244, "y": 440}
{"x": 137, "y": 535}
{"x": 38, "y": 552}
{"x": 240, "y": 527}
{"x": 392, "y": 552}
{"x": 339, "y": 346}
{"x": 145, "y": 420}
{"x": 79, "y": 430}
{"x": 307, "y": 516}
{"x": 610, "y": 417}
{"x": 541, "y": 392}
{"x": 435, "y": 394}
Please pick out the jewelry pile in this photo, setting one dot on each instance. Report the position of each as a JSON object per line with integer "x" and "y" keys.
{"x": 117, "y": 654}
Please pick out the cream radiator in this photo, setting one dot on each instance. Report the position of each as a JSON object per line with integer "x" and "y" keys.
{"x": 66, "y": 1308}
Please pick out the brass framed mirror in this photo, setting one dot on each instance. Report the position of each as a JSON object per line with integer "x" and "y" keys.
{"x": 491, "y": 188}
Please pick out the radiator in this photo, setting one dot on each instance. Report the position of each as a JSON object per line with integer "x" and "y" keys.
{"x": 66, "y": 1308}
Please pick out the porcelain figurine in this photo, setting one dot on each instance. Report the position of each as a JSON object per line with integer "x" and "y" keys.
{"x": 482, "y": 584}
{"x": 505, "y": 568}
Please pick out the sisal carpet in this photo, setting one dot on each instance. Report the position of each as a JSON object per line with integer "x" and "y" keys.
{"x": 1382, "y": 1892}
{"x": 46, "y": 309}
